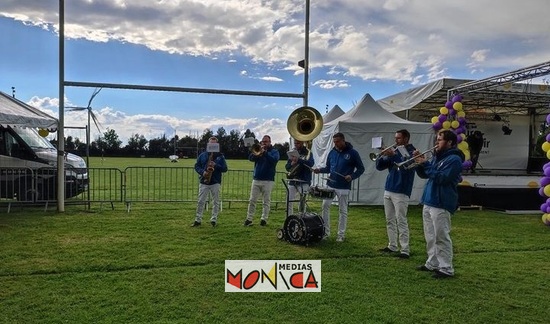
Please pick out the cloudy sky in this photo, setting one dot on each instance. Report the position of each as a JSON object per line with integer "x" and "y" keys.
{"x": 356, "y": 47}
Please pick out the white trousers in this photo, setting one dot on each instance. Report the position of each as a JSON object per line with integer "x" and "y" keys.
{"x": 204, "y": 191}
{"x": 437, "y": 229}
{"x": 295, "y": 192}
{"x": 343, "y": 197}
{"x": 259, "y": 188}
{"x": 395, "y": 208}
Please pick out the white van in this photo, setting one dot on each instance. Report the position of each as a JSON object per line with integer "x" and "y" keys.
{"x": 28, "y": 167}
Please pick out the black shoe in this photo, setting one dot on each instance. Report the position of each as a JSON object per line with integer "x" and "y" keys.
{"x": 387, "y": 250}
{"x": 424, "y": 268}
{"x": 195, "y": 224}
{"x": 213, "y": 223}
{"x": 263, "y": 223}
{"x": 403, "y": 255}
{"x": 440, "y": 275}
{"x": 247, "y": 222}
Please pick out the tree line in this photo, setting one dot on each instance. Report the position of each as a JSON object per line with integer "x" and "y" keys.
{"x": 109, "y": 144}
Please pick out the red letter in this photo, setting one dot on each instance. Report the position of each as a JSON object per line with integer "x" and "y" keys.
{"x": 311, "y": 282}
{"x": 297, "y": 280}
{"x": 235, "y": 280}
{"x": 251, "y": 279}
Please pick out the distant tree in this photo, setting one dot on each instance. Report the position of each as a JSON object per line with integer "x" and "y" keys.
{"x": 159, "y": 147}
{"x": 112, "y": 143}
{"x": 136, "y": 145}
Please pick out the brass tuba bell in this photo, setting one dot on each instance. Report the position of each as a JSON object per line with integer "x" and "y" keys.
{"x": 304, "y": 124}
{"x": 256, "y": 149}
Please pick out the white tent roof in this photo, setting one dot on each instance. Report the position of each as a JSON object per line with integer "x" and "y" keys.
{"x": 360, "y": 125}
{"x": 14, "y": 112}
{"x": 332, "y": 114}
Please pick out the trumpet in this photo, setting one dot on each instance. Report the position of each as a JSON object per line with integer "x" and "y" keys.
{"x": 411, "y": 164}
{"x": 256, "y": 149}
{"x": 374, "y": 156}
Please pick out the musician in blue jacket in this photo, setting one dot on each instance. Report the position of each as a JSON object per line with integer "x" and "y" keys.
{"x": 343, "y": 165}
{"x": 265, "y": 164}
{"x": 440, "y": 200}
{"x": 397, "y": 192}
{"x": 209, "y": 166}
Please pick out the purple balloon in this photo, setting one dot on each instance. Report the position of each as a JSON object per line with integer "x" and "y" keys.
{"x": 456, "y": 98}
{"x": 541, "y": 192}
{"x": 547, "y": 172}
{"x": 458, "y": 139}
{"x": 548, "y": 137}
{"x": 546, "y": 165}
{"x": 442, "y": 118}
{"x": 452, "y": 112}
{"x": 449, "y": 104}
{"x": 543, "y": 207}
{"x": 548, "y": 119}
{"x": 544, "y": 181}
{"x": 462, "y": 120}
{"x": 437, "y": 126}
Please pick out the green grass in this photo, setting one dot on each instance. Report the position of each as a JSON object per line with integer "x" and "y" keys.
{"x": 149, "y": 265}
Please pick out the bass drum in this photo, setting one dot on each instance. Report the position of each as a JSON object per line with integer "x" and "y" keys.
{"x": 304, "y": 229}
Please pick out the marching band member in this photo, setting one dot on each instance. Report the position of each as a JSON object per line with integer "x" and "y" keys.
{"x": 344, "y": 165}
{"x": 210, "y": 167}
{"x": 440, "y": 200}
{"x": 397, "y": 192}
{"x": 265, "y": 163}
{"x": 298, "y": 168}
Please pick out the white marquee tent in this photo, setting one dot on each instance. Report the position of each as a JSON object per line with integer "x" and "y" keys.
{"x": 360, "y": 125}
{"x": 332, "y": 114}
{"x": 14, "y": 112}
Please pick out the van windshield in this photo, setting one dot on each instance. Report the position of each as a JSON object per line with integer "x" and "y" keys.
{"x": 31, "y": 137}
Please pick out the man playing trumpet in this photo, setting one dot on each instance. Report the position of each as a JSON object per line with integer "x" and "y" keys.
{"x": 265, "y": 163}
{"x": 299, "y": 174}
{"x": 397, "y": 192}
{"x": 440, "y": 200}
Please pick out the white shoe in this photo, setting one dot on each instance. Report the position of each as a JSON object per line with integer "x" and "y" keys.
{"x": 340, "y": 239}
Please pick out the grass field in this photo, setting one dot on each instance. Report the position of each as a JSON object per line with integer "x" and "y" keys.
{"x": 150, "y": 266}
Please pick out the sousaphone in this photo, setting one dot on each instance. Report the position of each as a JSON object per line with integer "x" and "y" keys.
{"x": 304, "y": 124}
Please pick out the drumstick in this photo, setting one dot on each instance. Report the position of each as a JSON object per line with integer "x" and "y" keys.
{"x": 343, "y": 176}
{"x": 327, "y": 179}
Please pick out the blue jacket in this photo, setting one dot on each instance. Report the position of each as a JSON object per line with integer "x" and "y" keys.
{"x": 397, "y": 181}
{"x": 343, "y": 162}
{"x": 265, "y": 165}
{"x": 304, "y": 173}
{"x": 443, "y": 174}
{"x": 221, "y": 166}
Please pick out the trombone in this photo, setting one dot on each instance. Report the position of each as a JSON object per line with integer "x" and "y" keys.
{"x": 411, "y": 164}
{"x": 374, "y": 156}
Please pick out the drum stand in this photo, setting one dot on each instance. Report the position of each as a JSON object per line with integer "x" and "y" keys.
{"x": 303, "y": 195}
{"x": 302, "y": 228}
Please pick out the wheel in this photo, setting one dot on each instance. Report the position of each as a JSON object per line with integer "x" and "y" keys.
{"x": 280, "y": 234}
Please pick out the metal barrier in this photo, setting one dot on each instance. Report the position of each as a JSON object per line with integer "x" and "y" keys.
{"x": 25, "y": 186}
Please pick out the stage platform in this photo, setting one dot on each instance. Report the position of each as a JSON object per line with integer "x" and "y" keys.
{"x": 504, "y": 190}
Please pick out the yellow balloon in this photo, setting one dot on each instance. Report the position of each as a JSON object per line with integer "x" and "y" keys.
{"x": 465, "y": 183}
{"x": 444, "y": 110}
{"x": 462, "y": 135}
{"x": 457, "y": 106}
{"x": 467, "y": 155}
{"x": 446, "y": 124}
{"x": 548, "y": 156}
{"x": 461, "y": 114}
{"x": 455, "y": 124}
{"x": 435, "y": 119}
{"x": 44, "y": 132}
{"x": 545, "y": 146}
{"x": 547, "y": 190}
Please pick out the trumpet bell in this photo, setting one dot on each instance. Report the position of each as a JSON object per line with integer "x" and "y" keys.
{"x": 256, "y": 149}
{"x": 304, "y": 124}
